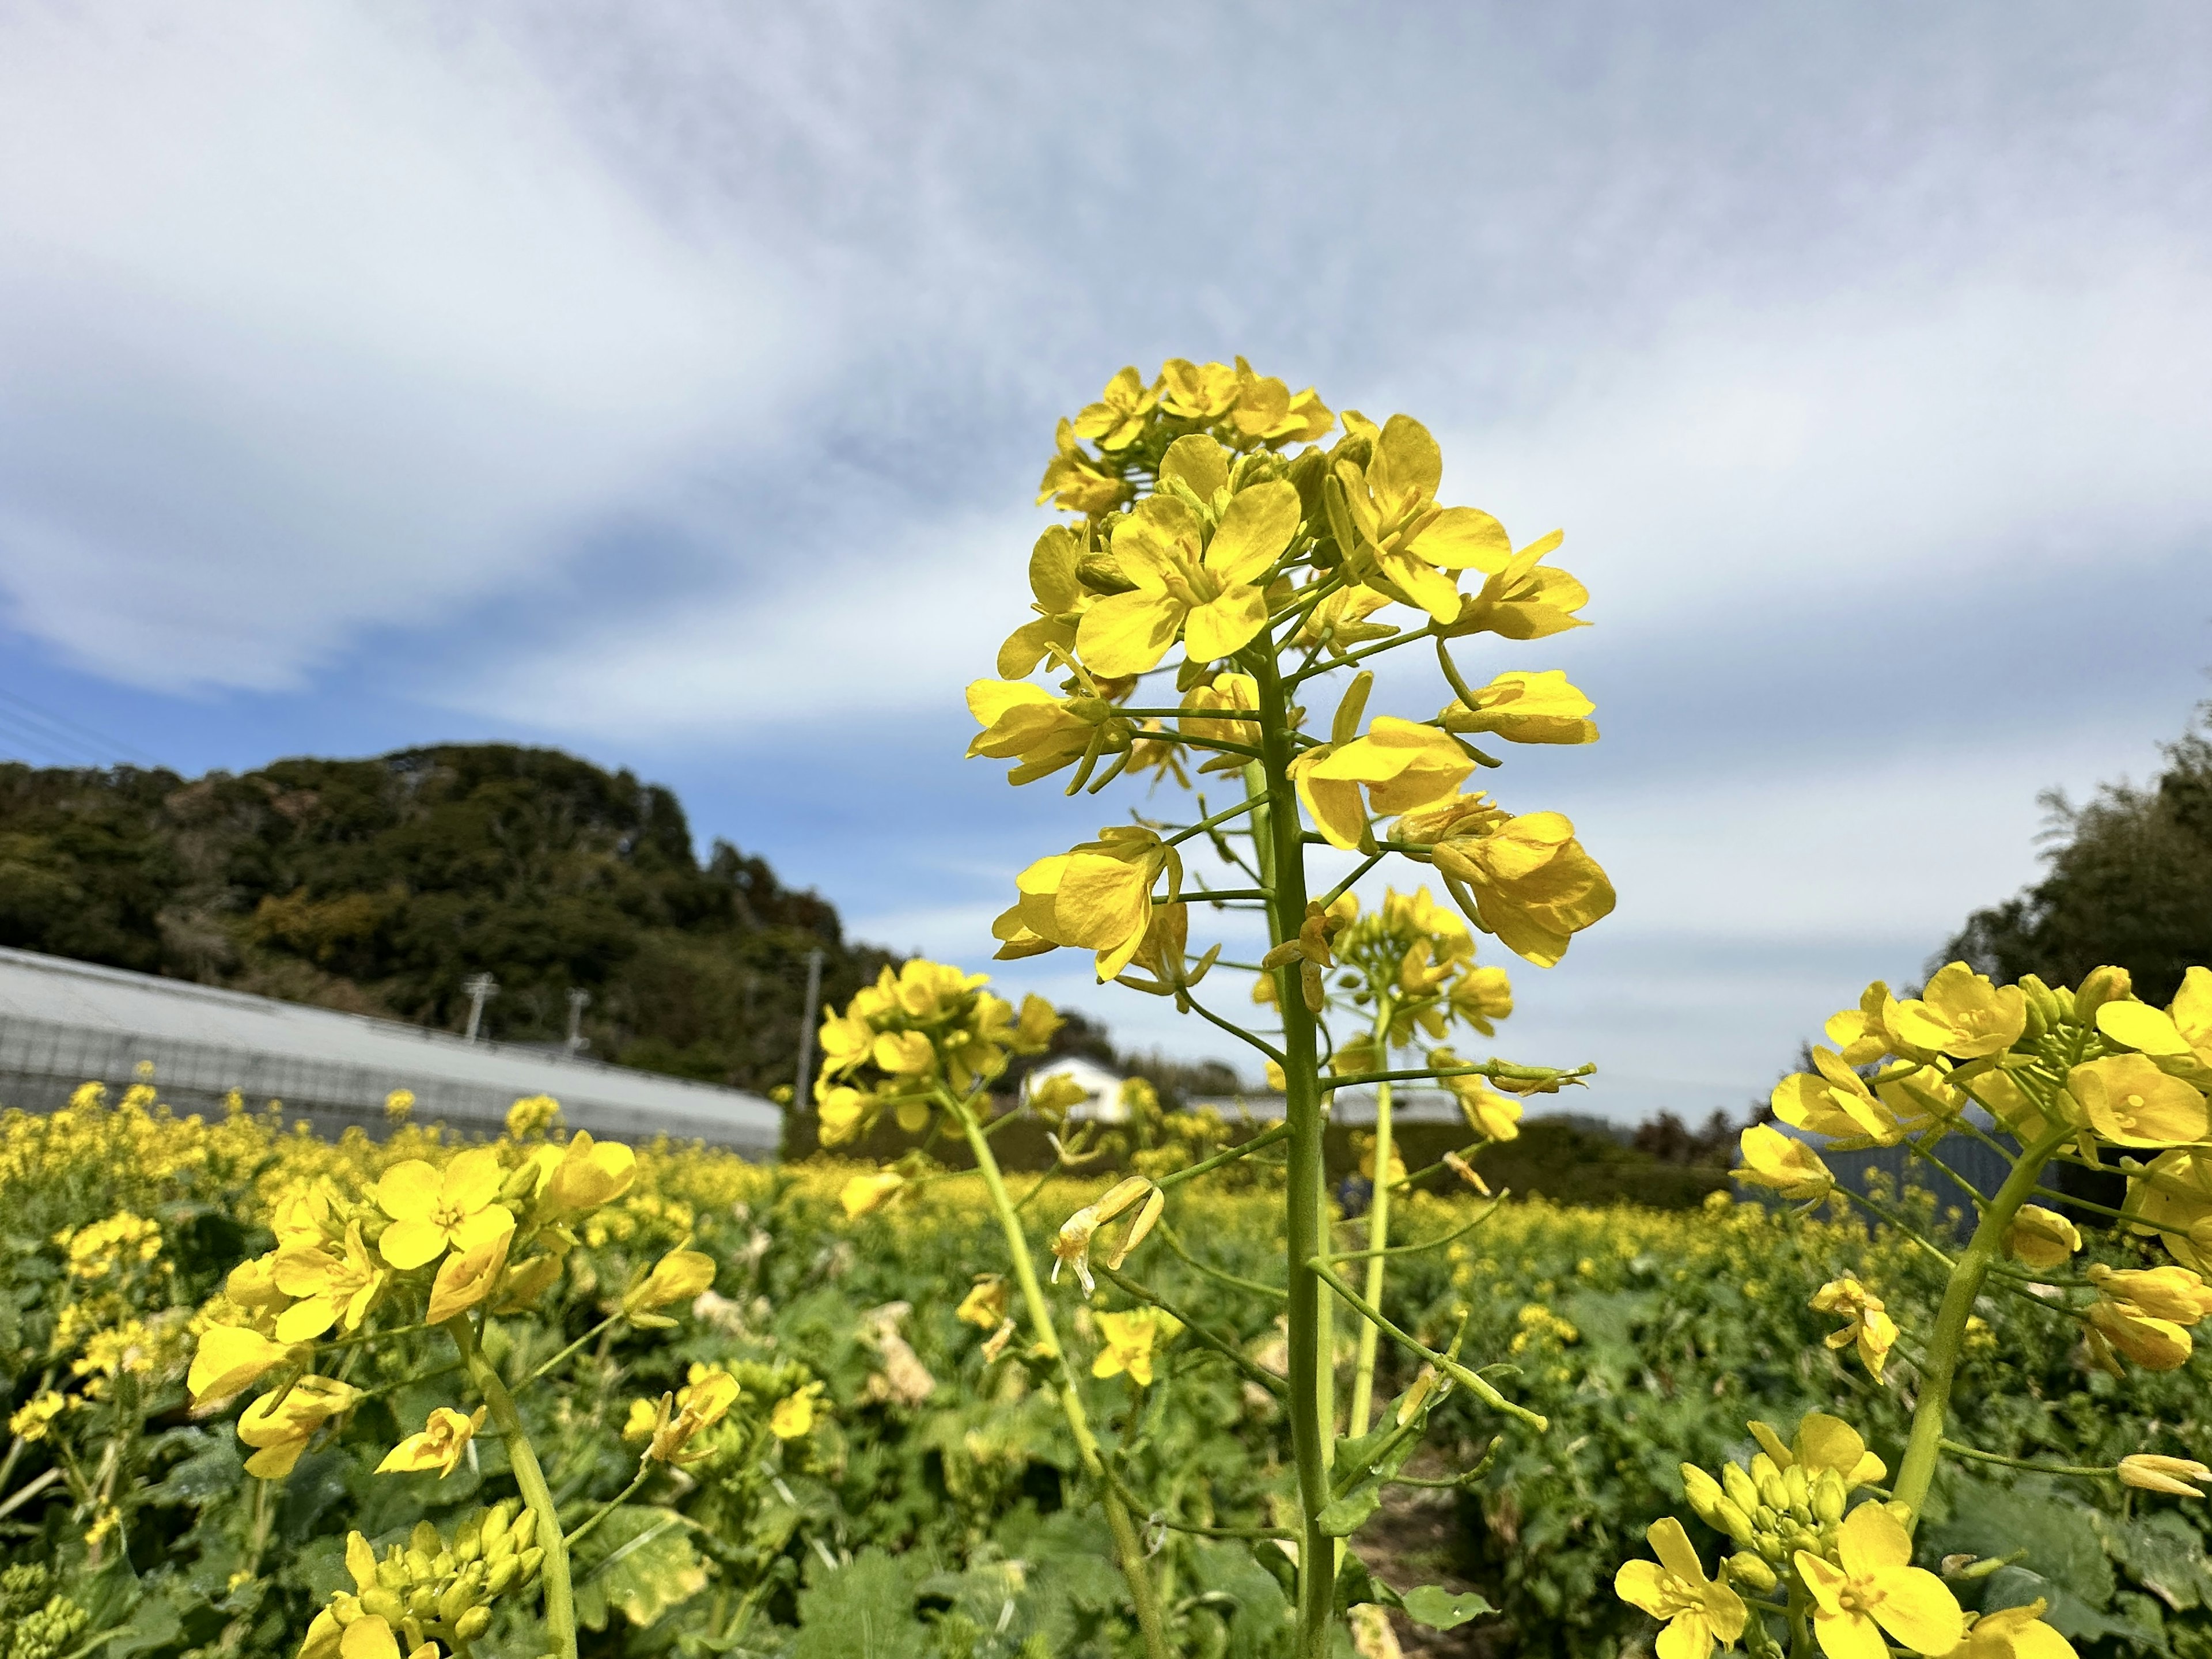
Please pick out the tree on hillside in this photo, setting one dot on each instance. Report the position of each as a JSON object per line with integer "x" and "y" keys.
{"x": 2130, "y": 883}
{"x": 381, "y": 886}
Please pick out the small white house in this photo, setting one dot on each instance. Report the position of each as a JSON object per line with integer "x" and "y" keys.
{"x": 1102, "y": 1089}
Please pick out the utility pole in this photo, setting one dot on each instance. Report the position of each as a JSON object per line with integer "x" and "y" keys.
{"x": 579, "y": 1000}
{"x": 482, "y": 989}
{"x": 802, "y": 1090}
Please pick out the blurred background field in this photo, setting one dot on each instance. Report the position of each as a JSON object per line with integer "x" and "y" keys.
{"x": 1648, "y": 1337}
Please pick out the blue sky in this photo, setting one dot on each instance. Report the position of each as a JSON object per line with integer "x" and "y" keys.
{"x": 669, "y": 383}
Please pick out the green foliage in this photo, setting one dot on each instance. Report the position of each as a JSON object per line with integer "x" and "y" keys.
{"x": 2129, "y": 884}
{"x": 381, "y": 886}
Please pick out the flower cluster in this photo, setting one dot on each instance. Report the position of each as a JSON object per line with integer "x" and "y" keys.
{"x": 489, "y": 1229}
{"x": 2083, "y": 1074}
{"x": 1790, "y": 1516}
{"x": 431, "y": 1590}
{"x": 1199, "y": 530}
{"x": 913, "y": 1035}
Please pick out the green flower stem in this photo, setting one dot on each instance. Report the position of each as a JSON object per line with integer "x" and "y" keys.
{"x": 1345, "y": 886}
{"x": 560, "y": 1595}
{"x": 573, "y": 1347}
{"x": 644, "y": 1473}
{"x": 1126, "y": 1544}
{"x": 1378, "y": 1233}
{"x": 1443, "y": 1361}
{"x": 1249, "y": 1286}
{"x": 1495, "y": 1070}
{"x": 1266, "y": 1137}
{"x": 1489, "y": 1209}
{"x": 1312, "y": 1313}
{"x": 2095, "y": 1471}
{"x": 1948, "y": 1340}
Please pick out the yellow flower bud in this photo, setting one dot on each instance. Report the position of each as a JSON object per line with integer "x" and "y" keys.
{"x": 2182, "y": 1477}
{"x": 679, "y": 1276}
{"x": 2042, "y": 1238}
{"x": 1747, "y": 1568}
{"x": 2099, "y": 987}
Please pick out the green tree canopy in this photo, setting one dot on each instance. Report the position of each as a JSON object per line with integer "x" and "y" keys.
{"x": 2130, "y": 883}
{"x": 379, "y": 887}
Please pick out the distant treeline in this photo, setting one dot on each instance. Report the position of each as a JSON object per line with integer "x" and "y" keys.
{"x": 380, "y": 886}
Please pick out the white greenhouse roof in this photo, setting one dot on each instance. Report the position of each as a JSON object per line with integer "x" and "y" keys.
{"x": 65, "y": 1022}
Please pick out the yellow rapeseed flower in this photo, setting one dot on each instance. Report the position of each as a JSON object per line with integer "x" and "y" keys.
{"x": 1961, "y": 1014}
{"x": 1401, "y": 766}
{"x": 1771, "y": 1158}
{"x": 443, "y": 1442}
{"x": 1129, "y": 1338}
{"x": 2040, "y": 1237}
{"x": 864, "y": 1192}
{"x": 335, "y": 1289}
{"x": 230, "y": 1357}
{"x": 1700, "y": 1612}
{"x": 1876, "y": 1588}
{"x": 1823, "y": 1442}
{"x": 279, "y": 1425}
{"x": 1187, "y": 585}
{"x": 2130, "y": 1103}
{"x": 2013, "y": 1633}
{"x": 793, "y": 1418}
{"x": 1521, "y": 707}
{"x": 679, "y": 1276}
{"x": 2182, "y": 1477}
{"x": 1869, "y": 1327}
{"x": 433, "y": 1211}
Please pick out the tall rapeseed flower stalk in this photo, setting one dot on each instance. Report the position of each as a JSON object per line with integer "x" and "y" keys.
{"x": 1227, "y": 566}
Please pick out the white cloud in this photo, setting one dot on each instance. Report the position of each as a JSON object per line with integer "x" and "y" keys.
{"x": 893, "y": 629}
{"x": 1920, "y": 437}
{"x": 309, "y": 327}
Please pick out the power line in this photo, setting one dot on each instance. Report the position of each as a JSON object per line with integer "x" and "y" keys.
{"x": 42, "y": 728}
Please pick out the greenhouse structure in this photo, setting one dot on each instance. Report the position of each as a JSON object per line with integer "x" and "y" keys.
{"x": 65, "y": 1023}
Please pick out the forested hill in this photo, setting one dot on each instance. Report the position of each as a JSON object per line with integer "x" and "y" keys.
{"x": 379, "y": 887}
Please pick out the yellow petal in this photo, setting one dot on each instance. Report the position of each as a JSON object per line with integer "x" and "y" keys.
{"x": 1642, "y": 1584}
{"x": 1254, "y": 531}
{"x": 1871, "y": 1538}
{"x": 1198, "y": 461}
{"x": 2138, "y": 1025}
{"x": 1407, "y": 465}
{"x": 989, "y": 699}
{"x": 1128, "y": 633}
{"x": 1687, "y": 1636}
{"x": 1464, "y": 538}
{"x": 483, "y": 1226}
{"x": 1670, "y": 1542}
{"x": 409, "y": 1191}
{"x": 303, "y": 1322}
{"x": 229, "y": 1358}
{"x": 473, "y": 1179}
{"x": 411, "y": 1244}
{"x": 1227, "y": 625}
{"x": 369, "y": 1638}
{"x": 1919, "y": 1609}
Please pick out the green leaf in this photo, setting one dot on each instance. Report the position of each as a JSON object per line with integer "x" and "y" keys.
{"x": 864, "y": 1611}
{"x": 1437, "y": 1608}
{"x": 1375, "y": 1457}
{"x": 204, "y": 1478}
{"x": 2163, "y": 1554}
{"x": 155, "y": 1625}
{"x": 642, "y": 1564}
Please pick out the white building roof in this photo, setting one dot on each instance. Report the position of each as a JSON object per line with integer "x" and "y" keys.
{"x": 65, "y": 1022}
